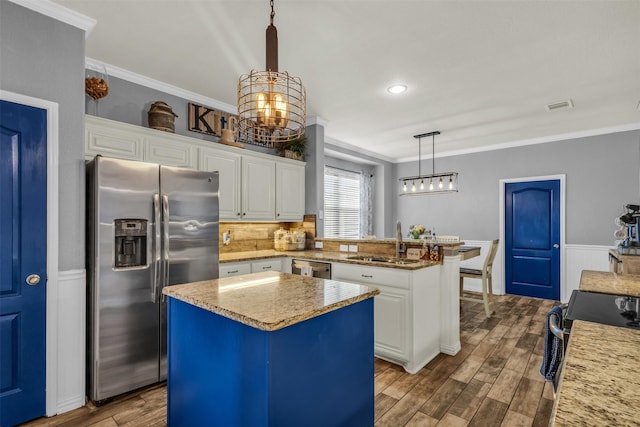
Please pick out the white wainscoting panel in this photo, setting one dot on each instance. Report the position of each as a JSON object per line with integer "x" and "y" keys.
{"x": 582, "y": 257}
{"x": 71, "y": 340}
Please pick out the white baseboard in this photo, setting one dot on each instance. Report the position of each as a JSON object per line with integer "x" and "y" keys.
{"x": 71, "y": 340}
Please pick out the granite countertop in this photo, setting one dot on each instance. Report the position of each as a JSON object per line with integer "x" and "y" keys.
{"x": 326, "y": 256}
{"x": 610, "y": 283}
{"x": 271, "y": 300}
{"x": 444, "y": 243}
{"x": 600, "y": 378}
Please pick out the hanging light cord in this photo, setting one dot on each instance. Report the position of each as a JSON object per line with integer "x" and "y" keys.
{"x": 272, "y": 12}
{"x": 433, "y": 154}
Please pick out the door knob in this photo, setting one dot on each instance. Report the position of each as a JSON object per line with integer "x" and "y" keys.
{"x": 32, "y": 279}
{"x": 556, "y": 246}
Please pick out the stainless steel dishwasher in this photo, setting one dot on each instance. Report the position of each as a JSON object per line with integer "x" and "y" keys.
{"x": 311, "y": 268}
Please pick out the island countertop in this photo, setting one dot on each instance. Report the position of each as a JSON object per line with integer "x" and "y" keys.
{"x": 271, "y": 300}
{"x": 610, "y": 283}
{"x": 599, "y": 381}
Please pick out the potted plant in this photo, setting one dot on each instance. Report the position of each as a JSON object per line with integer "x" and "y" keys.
{"x": 294, "y": 149}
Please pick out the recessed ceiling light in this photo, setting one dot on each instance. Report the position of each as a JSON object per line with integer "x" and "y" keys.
{"x": 395, "y": 89}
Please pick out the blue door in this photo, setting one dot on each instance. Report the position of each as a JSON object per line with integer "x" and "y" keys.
{"x": 532, "y": 239}
{"x": 23, "y": 220}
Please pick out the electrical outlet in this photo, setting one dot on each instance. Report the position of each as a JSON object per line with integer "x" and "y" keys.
{"x": 319, "y": 245}
{"x": 344, "y": 248}
{"x": 353, "y": 248}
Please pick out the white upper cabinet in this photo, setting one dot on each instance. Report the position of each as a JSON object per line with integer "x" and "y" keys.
{"x": 112, "y": 139}
{"x": 253, "y": 186}
{"x": 159, "y": 149}
{"x": 229, "y": 166}
{"x": 289, "y": 192}
{"x": 258, "y": 189}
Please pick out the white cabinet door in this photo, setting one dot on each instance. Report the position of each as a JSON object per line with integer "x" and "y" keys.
{"x": 390, "y": 321}
{"x": 229, "y": 166}
{"x": 289, "y": 192}
{"x": 267, "y": 265}
{"x": 258, "y": 189}
{"x": 234, "y": 269}
{"x": 112, "y": 139}
{"x": 169, "y": 151}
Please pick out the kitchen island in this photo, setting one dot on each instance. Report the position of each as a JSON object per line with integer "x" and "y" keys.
{"x": 270, "y": 349}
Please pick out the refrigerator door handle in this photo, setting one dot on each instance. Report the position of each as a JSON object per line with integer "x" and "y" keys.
{"x": 157, "y": 248}
{"x": 165, "y": 245}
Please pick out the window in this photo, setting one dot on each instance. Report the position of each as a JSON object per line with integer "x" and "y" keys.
{"x": 341, "y": 203}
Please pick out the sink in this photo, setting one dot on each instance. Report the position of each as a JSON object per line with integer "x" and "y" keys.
{"x": 390, "y": 260}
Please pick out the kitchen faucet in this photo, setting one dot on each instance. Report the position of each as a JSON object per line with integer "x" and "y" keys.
{"x": 399, "y": 243}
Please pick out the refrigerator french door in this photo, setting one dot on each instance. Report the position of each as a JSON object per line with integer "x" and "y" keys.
{"x": 149, "y": 226}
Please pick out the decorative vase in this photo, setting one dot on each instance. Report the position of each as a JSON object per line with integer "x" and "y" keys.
{"x": 162, "y": 117}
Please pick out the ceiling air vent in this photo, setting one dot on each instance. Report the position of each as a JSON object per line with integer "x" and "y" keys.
{"x": 557, "y": 105}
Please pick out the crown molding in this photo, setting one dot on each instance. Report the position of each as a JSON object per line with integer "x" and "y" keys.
{"x": 532, "y": 141}
{"x": 353, "y": 149}
{"x": 59, "y": 13}
{"x": 317, "y": 120}
{"x": 121, "y": 73}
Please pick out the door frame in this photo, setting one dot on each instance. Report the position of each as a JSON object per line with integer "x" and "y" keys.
{"x": 52, "y": 241}
{"x": 503, "y": 184}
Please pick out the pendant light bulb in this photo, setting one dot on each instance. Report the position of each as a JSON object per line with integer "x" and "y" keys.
{"x": 422, "y": 184}
{"x": 413, "y": 186}
{"x": 440, "y": 183}
{"x": 404, "y": 186}
{"x": 431, "y": 184}
{"x": 450, "y": 183}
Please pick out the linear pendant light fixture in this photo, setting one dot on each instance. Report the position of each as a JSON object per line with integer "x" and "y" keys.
{"x": 435, "y": 183}
{"x": 271, "y": 104}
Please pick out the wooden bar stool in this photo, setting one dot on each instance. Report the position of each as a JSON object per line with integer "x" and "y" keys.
{"x": 484, "y": 275}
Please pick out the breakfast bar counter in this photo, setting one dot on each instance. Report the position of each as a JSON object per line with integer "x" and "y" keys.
{"x": 270, "y": 349}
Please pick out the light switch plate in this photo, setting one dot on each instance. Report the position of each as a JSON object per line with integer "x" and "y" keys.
{"x": 353, "y": 248}
{"x": 319, "y": 245}
{"x": 344, "y": 248}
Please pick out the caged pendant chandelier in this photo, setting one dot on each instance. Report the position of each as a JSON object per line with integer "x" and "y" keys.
{"x": 435, "y": 183}
{"x": 271, "y": 104}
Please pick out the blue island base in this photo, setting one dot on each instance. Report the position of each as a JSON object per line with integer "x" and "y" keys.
{"x": 315, "y": 373}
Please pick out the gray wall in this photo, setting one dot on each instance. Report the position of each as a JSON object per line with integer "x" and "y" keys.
{"x": 130, "y": 102}
{"x": 602, "y": 175}
{"x": 44, "y": 58}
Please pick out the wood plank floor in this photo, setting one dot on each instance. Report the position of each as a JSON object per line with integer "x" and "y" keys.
{"x": 493, "y": 381}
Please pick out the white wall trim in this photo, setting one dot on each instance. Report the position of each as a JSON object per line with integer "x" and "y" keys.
{"x": 52, "y": 238}
{"x": 562, "y": 179}
{"x": 317, "y": 120}
{"x": 579, "y": 258}
{"x": 531, "y": 141}
{"x": 60, "y": 13}
{"x": 71, "y": 358}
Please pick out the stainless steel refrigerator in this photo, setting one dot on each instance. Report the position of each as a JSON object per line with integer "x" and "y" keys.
{"x": 148, "y": 226}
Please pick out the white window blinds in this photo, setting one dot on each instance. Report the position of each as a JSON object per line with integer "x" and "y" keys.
{"x": 341, "y": 203}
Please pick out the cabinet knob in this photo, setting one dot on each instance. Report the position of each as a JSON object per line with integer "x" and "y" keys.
{"x": 277, "y": 214}
{"x": 244, "y": 213}
{"x": 238, "y": 213}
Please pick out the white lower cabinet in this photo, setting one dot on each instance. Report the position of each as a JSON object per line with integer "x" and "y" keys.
{"x": 406, "y": 312}
{"x": 229, "y": 269}
{"x": 267, "y": 265}
{"x": 234, "y": 269}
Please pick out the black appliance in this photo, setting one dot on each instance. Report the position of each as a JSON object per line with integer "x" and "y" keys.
{"x": 607, "y": 309}
{"x": 631, "y": 220}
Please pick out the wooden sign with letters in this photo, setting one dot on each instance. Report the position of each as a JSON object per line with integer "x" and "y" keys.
{"x": 211, "y": 122}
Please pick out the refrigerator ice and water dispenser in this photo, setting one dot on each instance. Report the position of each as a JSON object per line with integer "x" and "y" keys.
{"x": 130, "y": 243}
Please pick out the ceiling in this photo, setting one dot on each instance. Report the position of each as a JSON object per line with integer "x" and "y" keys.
{"x": 480, "y": 72}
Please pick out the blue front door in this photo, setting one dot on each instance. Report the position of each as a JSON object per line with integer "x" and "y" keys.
{"x": 532, "y": 239}
{"x": 23, "y": 232}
